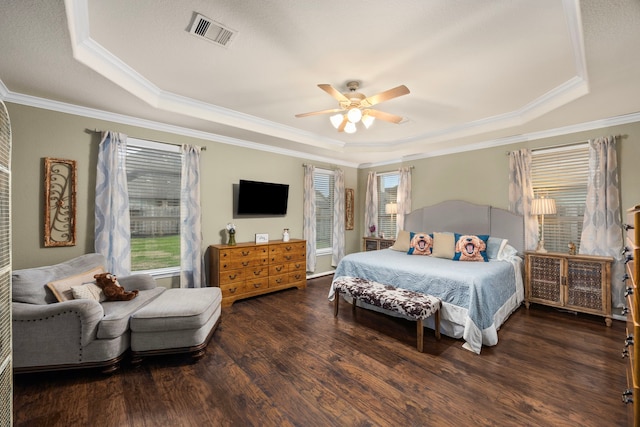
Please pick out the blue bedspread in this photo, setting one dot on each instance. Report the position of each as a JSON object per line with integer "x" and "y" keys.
{"x": 482, "y": 288}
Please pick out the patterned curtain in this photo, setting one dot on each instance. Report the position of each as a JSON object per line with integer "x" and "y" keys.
{"x": 371, "y": 204}
{"x": 521, "y": 194}
{"x": 337, "y": 250}
{"x": 112, "y": 231}
{"x": 191, "y": 258}
{"x": 602, "y": 226}
{"x": 309, "y": 217}
{"x": 403, "y": 198}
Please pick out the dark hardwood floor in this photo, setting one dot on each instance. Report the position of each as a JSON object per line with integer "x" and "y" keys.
{"x": 283, "y": 360}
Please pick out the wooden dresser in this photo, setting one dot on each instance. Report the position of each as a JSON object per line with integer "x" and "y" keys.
{"x": 630, "y": 351}
{"x": 248, "y": 269}
{"x": 579, "y": 283}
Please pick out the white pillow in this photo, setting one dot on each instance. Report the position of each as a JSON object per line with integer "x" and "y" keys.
{"x": 88, "y": 291}
{"x": 495, "y": 246}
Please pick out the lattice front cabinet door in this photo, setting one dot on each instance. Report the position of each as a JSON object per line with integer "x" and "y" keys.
{"x": 576, "y": 282}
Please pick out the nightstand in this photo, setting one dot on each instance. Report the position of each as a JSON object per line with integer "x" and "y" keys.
{"x": 376, "y": 243}
{"x": 579, "y": 283}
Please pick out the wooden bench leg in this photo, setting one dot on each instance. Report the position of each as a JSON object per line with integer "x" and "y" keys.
{"x": 336, "y": 301}
{"x": 437, "y": 323}
{"x": 420, "y": 338}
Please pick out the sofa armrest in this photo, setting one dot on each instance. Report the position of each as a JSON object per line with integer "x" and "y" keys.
{"x": 141, "y": 282}
{"x": 49, "y": 322}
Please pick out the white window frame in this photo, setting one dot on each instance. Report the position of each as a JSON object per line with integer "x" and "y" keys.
{"x": 566, "y": 182}
{"x": 383, "y": 199}
{"x": 329, "y": 250}
{"x": 164, "y": 272}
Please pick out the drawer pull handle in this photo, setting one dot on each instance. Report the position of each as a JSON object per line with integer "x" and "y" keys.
{"x": 288, "y": 257}
{"x": 627, "y": 226}
{"x": 279, "y": 269}
{"x": 233, "y": 291}
{"x": 246, "y": 263}
{"x": 628, "y": 291}
{"x": 257, "y": 272}
{"x": 288, "y": 248}
{"x": 298, "y": 265}
{"x": 256, "y": 285}
{"x": 628, "y": 341}
{"x": 625, "y": 353}
{"x": 233, "y": 276}
{"x": 278, "y": 281}
{"x": 245, "y": 253}
{"x": 627, "y": 396}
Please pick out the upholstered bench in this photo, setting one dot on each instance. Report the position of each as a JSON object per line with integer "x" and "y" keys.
{"x": 178, "y": 321}
{"x": 411, "y": 304}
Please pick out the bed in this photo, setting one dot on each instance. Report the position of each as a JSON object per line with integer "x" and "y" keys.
{"x": 477, "y": 297}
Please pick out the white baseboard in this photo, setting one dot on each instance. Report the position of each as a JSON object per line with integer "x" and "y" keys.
{"x": 314, "y": 275}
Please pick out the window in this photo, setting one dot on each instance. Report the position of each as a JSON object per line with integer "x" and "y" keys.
{"x": 323, "y": 185}
{"x": 387, "y": 195}
{"x": 562, "y": 174}
{"x": 153, "y": 180}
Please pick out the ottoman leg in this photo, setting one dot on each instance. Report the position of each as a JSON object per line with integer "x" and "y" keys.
{"x": 420, "y": 337}
{"x": 336, "y": 302}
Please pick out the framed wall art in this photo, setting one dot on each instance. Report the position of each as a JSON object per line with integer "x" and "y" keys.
{"x": 59, "y": 202}
{"x": 348, "y": 208}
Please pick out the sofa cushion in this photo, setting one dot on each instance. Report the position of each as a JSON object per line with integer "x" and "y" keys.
{"x": 117, "y": 313}
{"x": 30, "y": 285}
{"x": 88, "y": 291}
{"x": 177, "y": 309}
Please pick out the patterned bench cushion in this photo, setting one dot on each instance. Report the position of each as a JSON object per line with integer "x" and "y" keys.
{"x": 412, "y": 304}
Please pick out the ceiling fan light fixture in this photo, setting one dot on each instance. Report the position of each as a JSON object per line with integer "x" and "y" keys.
{"x": 368, "y": 120}
{"x": 350, "y": 127}
{"x": 336, "y": 119}
{"x": 354, "y": 115}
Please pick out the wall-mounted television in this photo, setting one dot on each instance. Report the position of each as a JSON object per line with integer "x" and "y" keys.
{"x": 262, "y": 198}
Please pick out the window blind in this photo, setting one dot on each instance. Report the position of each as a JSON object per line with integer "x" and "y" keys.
{"x": 153, "y": 180}
{"x": 323, "y": 185}
{"x": 387, "y": 193}
{"x": 562, "y": 174}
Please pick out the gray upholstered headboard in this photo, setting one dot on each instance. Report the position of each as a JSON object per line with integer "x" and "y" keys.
{"x": 463, "y": 217}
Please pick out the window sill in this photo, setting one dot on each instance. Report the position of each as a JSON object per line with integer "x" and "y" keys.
{"x": 160, "y": 273}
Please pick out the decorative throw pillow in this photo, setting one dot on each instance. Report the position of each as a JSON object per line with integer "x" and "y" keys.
{"x": 402, "y": 241}
{"x": 420, "y": 244}
{"x": 495, "y": 246}
{"x": 444, "y": 245}
{"x": 88, "y": 291}
{"x": 62, "y": 288}
{"x": 471, "y": 248}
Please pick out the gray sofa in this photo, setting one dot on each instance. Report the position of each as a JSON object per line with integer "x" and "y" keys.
{"x": 51, "y": 335}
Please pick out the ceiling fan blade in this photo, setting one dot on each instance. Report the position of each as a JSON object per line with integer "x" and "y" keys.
{"x": 385, "y": 116}
{"x": 385, "y": 96}
{"x": 313, "y": 113}
{"x": 333, "y": 92}
{"x": 343, "y": 124}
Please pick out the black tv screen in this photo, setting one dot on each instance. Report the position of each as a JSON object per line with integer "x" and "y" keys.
{"x": 262, "y": 198}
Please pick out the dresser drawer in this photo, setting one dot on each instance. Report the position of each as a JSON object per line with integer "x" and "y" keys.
{"x": 275, "y": 269}
{"x": 298, "y": 266}
{"x": 232, "y": 289}
{"x": 279, "y": 280}
{"x": 231, "y": 276}
{"x": 297, "y": 276}
{"x": 253, "y": 285}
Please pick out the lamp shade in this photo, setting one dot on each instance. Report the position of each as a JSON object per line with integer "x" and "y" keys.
{"x": 354, "y": 115}
{"x": 350, "y": 127}
{"x": 543, "y": 207}
{"x": 336, "y": 120}
{"x": 391, "y": 208}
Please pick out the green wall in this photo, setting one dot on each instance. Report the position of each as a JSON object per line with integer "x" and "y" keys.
{"x": 39, "y": 133}
{"x": 482, "y": 176}
{"x": 479, "y": 176}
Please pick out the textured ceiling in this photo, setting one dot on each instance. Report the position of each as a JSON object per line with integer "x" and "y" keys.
{"x": 480, "y": 74}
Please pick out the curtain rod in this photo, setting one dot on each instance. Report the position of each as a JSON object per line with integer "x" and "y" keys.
{"x": 146, "y": 139}
{"x": 570, "y": 144}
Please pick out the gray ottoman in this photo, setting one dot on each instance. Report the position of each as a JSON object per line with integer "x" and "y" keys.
{"x": 178, "y": 321}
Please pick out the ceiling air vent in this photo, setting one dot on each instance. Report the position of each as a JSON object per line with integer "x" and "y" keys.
{"x": 211, "y": 30}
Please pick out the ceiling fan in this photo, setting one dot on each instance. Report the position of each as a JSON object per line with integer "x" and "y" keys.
{"x": 357, "y": 107}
